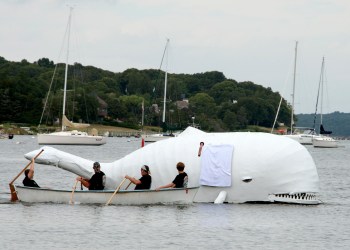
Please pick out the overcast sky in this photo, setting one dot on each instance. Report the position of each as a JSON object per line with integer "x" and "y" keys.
{"x": 247, "y": 40}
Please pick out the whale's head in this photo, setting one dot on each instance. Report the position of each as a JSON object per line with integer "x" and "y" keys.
{"x": 48, "y": 156}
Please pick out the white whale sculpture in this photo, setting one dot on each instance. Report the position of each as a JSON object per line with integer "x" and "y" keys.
{"x": 262, "y": 168}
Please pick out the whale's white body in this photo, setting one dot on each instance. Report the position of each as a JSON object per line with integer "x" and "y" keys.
{"x": 265, "y": 167}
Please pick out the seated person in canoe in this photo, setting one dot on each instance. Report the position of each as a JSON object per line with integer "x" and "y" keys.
{"x": 180, "y": 180}
{"x": 144, "y": 182}
{"x": 97, "y": 181}
{"x": 29, "y": 175}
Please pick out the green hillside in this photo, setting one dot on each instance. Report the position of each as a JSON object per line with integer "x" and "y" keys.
{"x": 209, "y": 99}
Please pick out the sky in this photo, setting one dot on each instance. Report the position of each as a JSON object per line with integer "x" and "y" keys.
{"x": 246, "y": 40}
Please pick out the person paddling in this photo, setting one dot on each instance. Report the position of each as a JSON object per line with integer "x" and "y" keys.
{"x": 180, "y": 180}
{"x": 29, "y": 175}
{"x": 144, "y": 182}
{"x": 97, "y": 181}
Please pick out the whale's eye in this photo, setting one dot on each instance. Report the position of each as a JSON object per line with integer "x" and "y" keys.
{"x": 247, "y": 179}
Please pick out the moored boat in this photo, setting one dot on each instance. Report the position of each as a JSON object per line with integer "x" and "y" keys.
{"x": 123, "y": 197}
{"x": 325, "y": 142}
{"x": 4, "y": 136}
{"x": 65, "y": 137}
{"x": 157, "y": 137}
{"x": 302, "y": 135}
{"x": 70, "y": 138}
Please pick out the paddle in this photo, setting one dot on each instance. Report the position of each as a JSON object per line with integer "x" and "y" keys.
{"x": 71, "y": 196}
{"x": 128, "y": 185}
{"x": 109, "y": 201}
{"x": 14, "y": 196}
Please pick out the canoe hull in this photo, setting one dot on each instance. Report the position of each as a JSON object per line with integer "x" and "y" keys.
{"x": 123, "y": 197}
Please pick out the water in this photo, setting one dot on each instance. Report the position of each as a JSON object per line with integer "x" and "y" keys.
{"x": 198, "y": 226}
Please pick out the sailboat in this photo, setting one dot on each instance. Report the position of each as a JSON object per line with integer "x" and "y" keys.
{"x": 322, "y": 141}
{"x": 73, "y": 137}
{"x": 302, "y": 135}
{"x": 161, "y": 136}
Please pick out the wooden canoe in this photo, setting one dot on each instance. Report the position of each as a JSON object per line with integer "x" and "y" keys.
{"x": 123, "y": 197}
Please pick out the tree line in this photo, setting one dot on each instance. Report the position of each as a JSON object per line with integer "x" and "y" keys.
{"x": 216, "y": 103}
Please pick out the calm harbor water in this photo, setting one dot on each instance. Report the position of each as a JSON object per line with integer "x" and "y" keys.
{"x": 197, "y": 226}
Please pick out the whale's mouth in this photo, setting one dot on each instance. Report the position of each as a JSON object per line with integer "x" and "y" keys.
{"x": 297, "y": 198}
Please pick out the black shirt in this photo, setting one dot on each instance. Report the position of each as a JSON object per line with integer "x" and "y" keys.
{"x": 179, "y": 180}
{"x": 29, "y": 183}
{"x": 96, "y": 181}
{"x": 146, "y": 182}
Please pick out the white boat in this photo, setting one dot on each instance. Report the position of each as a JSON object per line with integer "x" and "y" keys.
{"x": 245, "y": 166}
{"x": 69, "y": 137}
{"x": 154, "y": 137}
{"x": 157, "y": 137}
{"x": 122, "y": 197}
{"x": 304, "y": 136}
{"x": 73, "y": 137}
{"x": 324, "y": 140}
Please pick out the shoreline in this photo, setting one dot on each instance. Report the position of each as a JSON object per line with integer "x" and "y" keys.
{"x": 102, "y": 129}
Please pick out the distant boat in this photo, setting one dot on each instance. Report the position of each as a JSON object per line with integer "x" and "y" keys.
{"x": 323, "y": 141}
{"x": 303, "y": 135}
{"x": 74, "y": 137}
{"x": 3, "y": 136}
{"x": 157, "y": 137}
{"x": 300, "y": 134}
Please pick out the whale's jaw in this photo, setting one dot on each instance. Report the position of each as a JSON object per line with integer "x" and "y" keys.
{"x": 296, "y": 198}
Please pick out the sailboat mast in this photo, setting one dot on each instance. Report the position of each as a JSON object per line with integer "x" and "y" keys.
{"x": 322, "y": 81}
{"x": 143, "y": 113}
{"x": 66, "y": 70}
{"x": 295, "y": 70}
{"x": 166, "y": 79}
{"x": 320, "y": 89}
